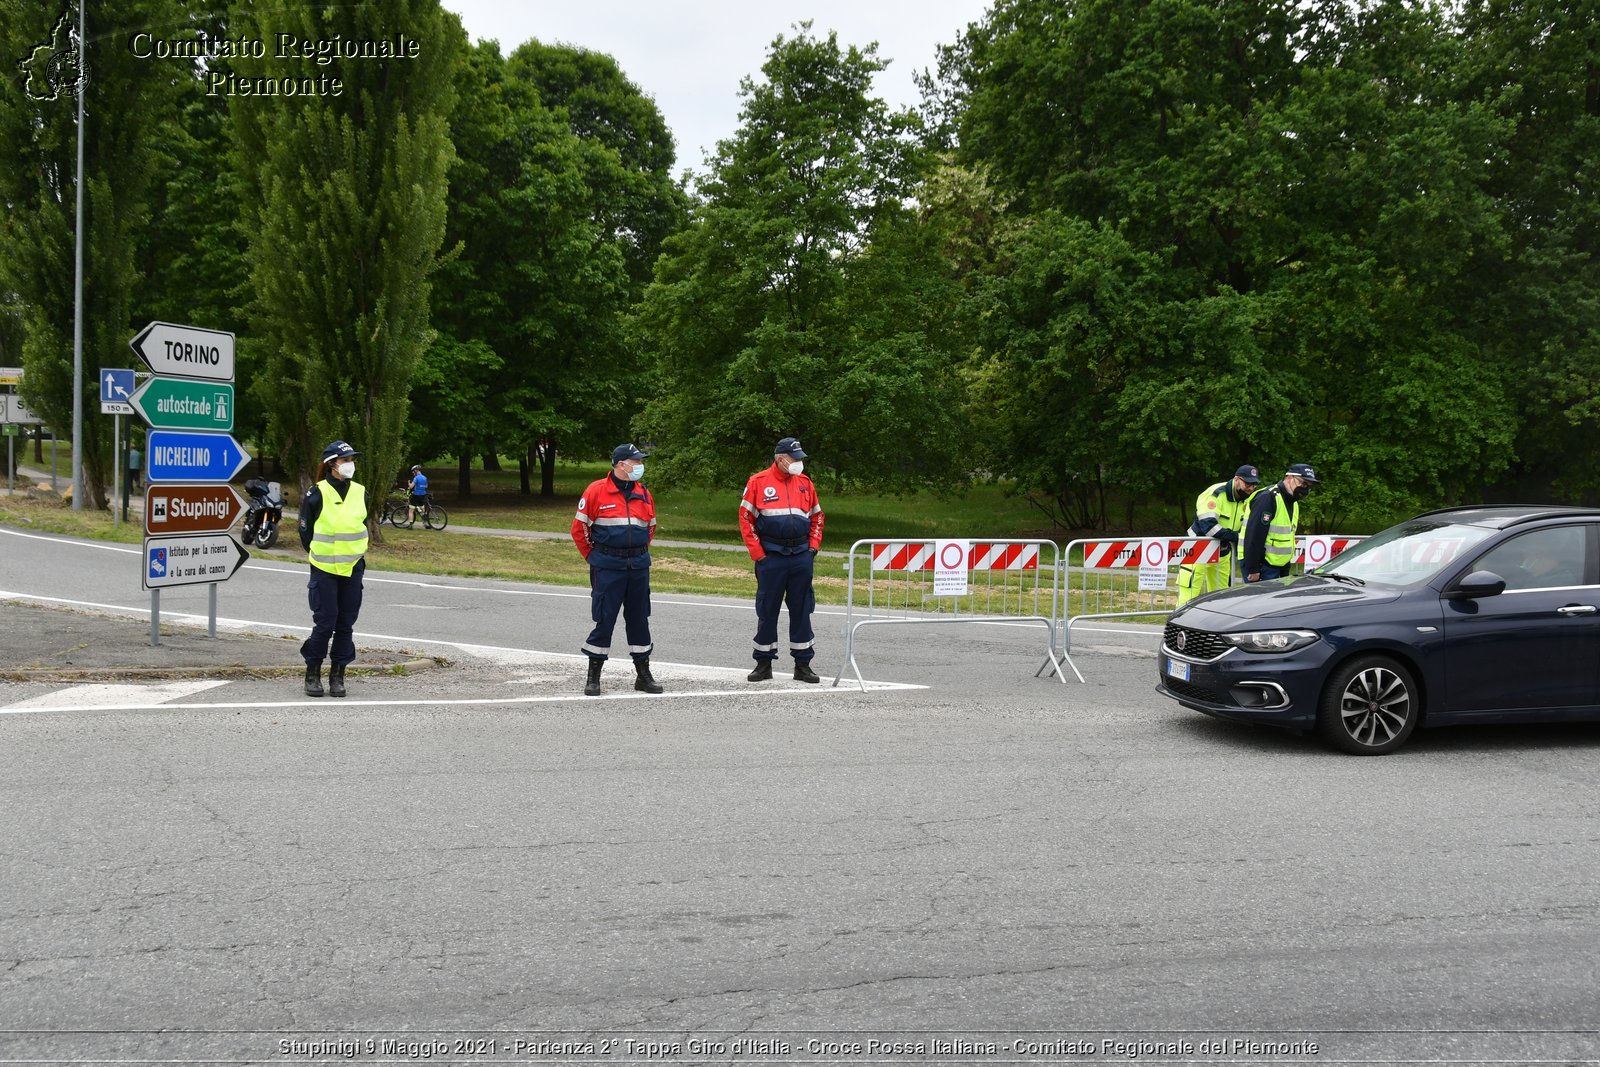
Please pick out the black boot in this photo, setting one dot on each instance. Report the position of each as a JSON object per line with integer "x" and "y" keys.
{"x": 644, "y": 682}
{"x": 762, "y": 673}
{"x": 313, "y": 679}
{"x": 591, "y": 687}
{"x": 336, "y": 680}
{"x": 803, "y": 671}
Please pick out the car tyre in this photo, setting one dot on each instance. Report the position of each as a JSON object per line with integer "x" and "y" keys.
{"x": 1369, "y": 707}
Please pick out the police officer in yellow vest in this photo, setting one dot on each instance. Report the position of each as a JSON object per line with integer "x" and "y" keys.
{"x": 1274, "y": 517}
{"x": 1219, "y": 513}
{"x": 333, "y": 530}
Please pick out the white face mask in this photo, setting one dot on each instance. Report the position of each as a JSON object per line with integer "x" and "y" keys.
{"x": 636, "y": 473}
{"x": 797, "y": 466}
{"x": 345, "y": 470}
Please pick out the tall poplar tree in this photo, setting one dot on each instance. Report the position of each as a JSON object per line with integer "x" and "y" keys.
{"x": 348, "y": 198}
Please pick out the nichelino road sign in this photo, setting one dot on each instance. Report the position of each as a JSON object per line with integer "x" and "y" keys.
{"x": 181, "y": 404}
{"x": 172, "y": 561}
{"x": 183, "y": 509}
{"x": 177, "y": 456}
{"x": 185, "y": 351}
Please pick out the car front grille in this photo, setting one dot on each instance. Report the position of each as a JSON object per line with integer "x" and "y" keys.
{"x": 1194, "y": 644}
{"x": 1190, "y": 691}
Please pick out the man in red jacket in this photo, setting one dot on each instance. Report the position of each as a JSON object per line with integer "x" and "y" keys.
{"x": 781, "y": 521}
{"x": 615, "y": 524}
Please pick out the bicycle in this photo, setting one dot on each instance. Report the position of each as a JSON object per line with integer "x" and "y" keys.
{"x": 432, "y": 515}
{"x": 394, "y": 511}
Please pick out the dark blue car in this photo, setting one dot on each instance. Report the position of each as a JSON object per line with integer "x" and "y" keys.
{"x": 1476, "y": 614}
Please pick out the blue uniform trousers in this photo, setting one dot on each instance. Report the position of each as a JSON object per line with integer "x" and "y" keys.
{"x": 780, "y": 579}
{"x": 335, "y": 603}
{"x": 627, "y": 591}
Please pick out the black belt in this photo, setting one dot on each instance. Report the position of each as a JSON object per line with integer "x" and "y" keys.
{"x": 622, "y": 553}
{"x": 786, "y": 542}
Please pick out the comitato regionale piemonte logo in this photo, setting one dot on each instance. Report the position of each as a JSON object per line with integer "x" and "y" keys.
{"x": 55, "y": 68}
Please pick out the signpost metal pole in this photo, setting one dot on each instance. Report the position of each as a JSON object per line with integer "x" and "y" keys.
{"x": 116, "y": 462}
{"x": 211, "y": 601}
{"x": 155, "y": 618}
{"x": 11, "y": 463}
{"x": 53, "y": 488}
{"x": 77, "y": 283}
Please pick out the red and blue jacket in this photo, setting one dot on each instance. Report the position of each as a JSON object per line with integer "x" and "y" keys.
{"x": 615, "y": 524}
{"x": 779, "y": 514}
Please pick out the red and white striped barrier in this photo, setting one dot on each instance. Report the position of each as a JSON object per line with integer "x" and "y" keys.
{"x": 1125, "y": 554}
{"x": 981, "y": 556}
{"x": 1117, "y": 555}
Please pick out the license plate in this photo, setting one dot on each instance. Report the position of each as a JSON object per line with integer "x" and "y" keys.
{"x": 1178, "y": 670}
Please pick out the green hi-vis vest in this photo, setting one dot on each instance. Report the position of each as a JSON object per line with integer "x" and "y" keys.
{"x": 1280, "y": 535}
{"x": 1213, "y": 502}
{"x": 1230, "y": 514}
{"x": 339, "y": 539}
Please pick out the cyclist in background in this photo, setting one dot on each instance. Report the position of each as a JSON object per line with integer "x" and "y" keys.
{"x": 419, "y": 491}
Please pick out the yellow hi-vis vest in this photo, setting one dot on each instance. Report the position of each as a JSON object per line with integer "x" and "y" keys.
{"x": 1280, "y": 535}
{"x": 339, "y": 539}
{"x": 1213, "y": 502}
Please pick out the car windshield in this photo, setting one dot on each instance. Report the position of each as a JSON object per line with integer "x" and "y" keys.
{"x": 1408, "y": 554}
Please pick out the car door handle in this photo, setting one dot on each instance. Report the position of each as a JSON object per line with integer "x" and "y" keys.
{"x": 1577, "y": 609}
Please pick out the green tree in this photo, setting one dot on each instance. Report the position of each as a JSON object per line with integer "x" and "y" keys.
{"x": 1537, "y": 64}
{"x": 1293, "y": 195}
{"x": 801, "y": 299}
{"x": 603, "y": 197}
{"x": 128, "y": 112}
{"x": 348, "y": 196}
{"x": 191, "y": 257}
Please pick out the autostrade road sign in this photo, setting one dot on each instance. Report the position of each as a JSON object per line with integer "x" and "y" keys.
{"x": 183, "y": 404}
{"x": 185, "y": 351}
{"x": 185, "y": 509}
{"x": 179, "y": 456}
{"x": 195, "y": 560}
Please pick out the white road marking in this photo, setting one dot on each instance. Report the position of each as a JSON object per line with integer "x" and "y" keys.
{"x": 112, "y": 696}
{"x": 23, "y": 708}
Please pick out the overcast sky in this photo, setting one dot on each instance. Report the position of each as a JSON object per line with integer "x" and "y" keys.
{"x": 690, "y": 54}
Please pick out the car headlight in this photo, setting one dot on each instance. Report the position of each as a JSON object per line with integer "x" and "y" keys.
{"x": 1271, "y": 640}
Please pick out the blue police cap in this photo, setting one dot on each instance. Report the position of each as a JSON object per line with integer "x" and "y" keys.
{"x": 630, "y": 451}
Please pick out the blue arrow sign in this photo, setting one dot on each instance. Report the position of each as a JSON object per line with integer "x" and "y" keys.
{"x": 175, "y": 456}
{"x": 116, "y": 386}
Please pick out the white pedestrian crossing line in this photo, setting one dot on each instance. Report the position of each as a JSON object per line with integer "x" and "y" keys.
{"x": 112, "y": 696}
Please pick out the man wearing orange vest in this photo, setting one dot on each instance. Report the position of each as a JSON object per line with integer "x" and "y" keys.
{"x": 781, "y": 522}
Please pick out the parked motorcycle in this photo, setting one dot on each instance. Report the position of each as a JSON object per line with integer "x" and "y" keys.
{"x": 265, "y": 513}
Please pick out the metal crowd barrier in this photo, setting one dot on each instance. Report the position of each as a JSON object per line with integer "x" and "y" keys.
{"x": 1008, "y": 581}
{"x": 1102, "y": 575}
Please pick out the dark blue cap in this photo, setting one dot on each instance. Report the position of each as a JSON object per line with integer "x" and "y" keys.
{"x": 622, "y": 452}
{"x": 1302, "y": 470}
{"x": 1250, "y": 475}
{"x": 338, "y": 450}
{"x": 790, "y": 447}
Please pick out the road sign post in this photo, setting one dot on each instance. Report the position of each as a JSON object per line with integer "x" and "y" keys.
{"x": 185, "y": 351}
{"x": 186, "y": 456}
{"x": 191, "y": 560}
{"x": 181, "y": 404}
{"x": 188, "y": 406}
{"x": 191, "y": 509}
{"x": 116, "y": 390}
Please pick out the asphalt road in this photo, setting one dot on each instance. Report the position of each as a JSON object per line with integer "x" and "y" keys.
{"x": 965, "y": 853}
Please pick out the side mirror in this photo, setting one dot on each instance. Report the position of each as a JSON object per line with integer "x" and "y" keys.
{"x": 1478, "y": 584}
